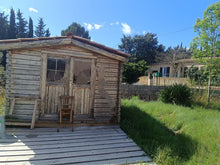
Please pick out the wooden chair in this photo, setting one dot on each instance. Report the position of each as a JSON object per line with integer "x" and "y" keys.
{"x": 66, "y": 109}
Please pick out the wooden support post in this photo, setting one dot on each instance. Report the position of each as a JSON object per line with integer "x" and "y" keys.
{"x": 12, "y": 106}
{"x": 34, "y": 113}
{"x": 43, "y": 82}
{"x": 93, "y": 79}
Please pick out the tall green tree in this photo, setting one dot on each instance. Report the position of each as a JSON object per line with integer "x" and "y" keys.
{"x": 141, "y": 47}
{"x": 3, "y": 26}
{"x": 30, "y": 28}
{"x": 40, "y": 28}
{"x": 47, "y": 33}
{"x": 12, "y": 25}
{"x": 77, "y": 30}
{"x": 21, "y": 25}
{"x": 206, "y": 46}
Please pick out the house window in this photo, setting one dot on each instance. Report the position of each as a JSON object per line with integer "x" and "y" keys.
{"x": 82, "y": 72}
{"x": 165, "y": 71}
{"x": 55, "y": 69}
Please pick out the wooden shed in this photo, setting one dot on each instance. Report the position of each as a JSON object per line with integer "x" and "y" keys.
{"x": 39, "y": 70}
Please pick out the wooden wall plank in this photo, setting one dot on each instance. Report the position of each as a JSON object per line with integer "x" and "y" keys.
{"x": 43, "y": 82}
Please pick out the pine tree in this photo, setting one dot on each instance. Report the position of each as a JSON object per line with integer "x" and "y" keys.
{"x": 3, "y": 26}
{"x": 21, "y": 25}
{"x": 12, "y": 25}
{"x": 30, "y": 28}
{"x": 47, "y": 33}
{"x": 40, "y": 31}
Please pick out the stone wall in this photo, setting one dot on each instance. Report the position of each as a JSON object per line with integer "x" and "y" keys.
{"x": 144, "y": 92}
{"x": 150, "y": 93}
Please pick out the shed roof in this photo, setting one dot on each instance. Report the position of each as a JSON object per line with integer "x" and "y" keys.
{"x": 22, "y": 43}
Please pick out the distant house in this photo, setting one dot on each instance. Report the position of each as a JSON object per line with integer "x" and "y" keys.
{"x": 177, "y": 69}
{"x": 168, "y": 73}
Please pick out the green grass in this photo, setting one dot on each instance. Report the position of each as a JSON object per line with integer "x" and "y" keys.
{"x": 172, "y": 134}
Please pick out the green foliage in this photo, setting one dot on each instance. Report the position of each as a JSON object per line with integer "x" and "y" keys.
{"x": 2, "y": 101}
{"x": 21, "y": 25}
{"x": 141, "y": 47}
{"x": 40, "y": 29}
{"x": 3, "y": 59}
{"x": 76, "y": 29}
{"x": 17, "y": 27}
{"x": 172, "y": 134}
{"x": 30, "y": 28}
{"x": 200, "y": 77}
{"x": 177, "y": 94}
{"x": 132, "y": 71}
{"x": 3, "y": 26}
{"x": 206, "y": 47}
{"x": 2, "y": 76}
{"x": 47, "y": 33}
{"x": 12, "y": 25}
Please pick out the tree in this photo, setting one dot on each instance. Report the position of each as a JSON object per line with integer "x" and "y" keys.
{"x": 206, "y": 47}
{"x": 30, "y": 28}
{"x": 40, "y": 28}
{"x": 132, "y": 71}
{"x": 12, "y": 25}
{"x": 171, "y": 55}
{"x": 141, "y": 47}
{"x": 21, "y": 25}
{"x": 47, "y": 33}
{"x": 3, "y": 26}
{"x": 76, "y": 29}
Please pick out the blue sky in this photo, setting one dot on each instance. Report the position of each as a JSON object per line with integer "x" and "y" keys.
{"x": 108, "y": 20}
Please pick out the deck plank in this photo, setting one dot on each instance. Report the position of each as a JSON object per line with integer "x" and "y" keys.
{"x": 86, "y": 145}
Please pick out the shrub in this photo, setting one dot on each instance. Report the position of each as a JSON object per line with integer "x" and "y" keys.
{"x": 177, "y": 94}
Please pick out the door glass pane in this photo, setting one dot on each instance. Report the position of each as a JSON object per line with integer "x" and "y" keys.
{"x": 51, "y": 63}
{"x": 61, "y": 64}
{"x": 55, "y": 69}
{"x": 82, "y": 72}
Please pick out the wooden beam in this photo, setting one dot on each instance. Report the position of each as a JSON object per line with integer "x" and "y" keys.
{"x": 99, "y": 51}
{"x": 34, "y": 113}
{"x": 34, "y": 44}
{"x": 68, "y": 53}
{"x": 92, "y": 80}
{"x": 43, "y": 82}
{"x": 8, "y": 79}
{"x": 12, "y": 106}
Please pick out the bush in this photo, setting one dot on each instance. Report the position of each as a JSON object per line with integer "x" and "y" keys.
{"x": 177, "y": 94}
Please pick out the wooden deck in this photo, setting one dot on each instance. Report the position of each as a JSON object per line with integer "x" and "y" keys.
{"x": 86, "y": 145}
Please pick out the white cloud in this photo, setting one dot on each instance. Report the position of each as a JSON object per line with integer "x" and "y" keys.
{"x": 92, "y": 26}
{"x": 89, "y": 26}
{"x": 114, "y": 23}
{"x": 33, "y": 10}
{"x": 97, "y": 26}
{"x": 126, "y": 29}
{"x": 144, "y": 32}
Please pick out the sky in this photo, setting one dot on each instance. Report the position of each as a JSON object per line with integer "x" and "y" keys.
{"x": 108, "y": 20}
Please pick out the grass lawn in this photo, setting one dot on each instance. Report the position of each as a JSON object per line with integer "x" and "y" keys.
{"x": 173, "y": 134}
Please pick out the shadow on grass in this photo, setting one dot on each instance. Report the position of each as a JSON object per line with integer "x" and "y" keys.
{"x": 158, "y": 141}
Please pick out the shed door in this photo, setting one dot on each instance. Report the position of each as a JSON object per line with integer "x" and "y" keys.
{"x": 56, "y": 83}
{"x": 73, "y": 77}
{"x": 82, "y": 86}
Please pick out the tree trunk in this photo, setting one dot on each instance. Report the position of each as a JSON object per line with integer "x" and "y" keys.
{"x": 209, "y": 86}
